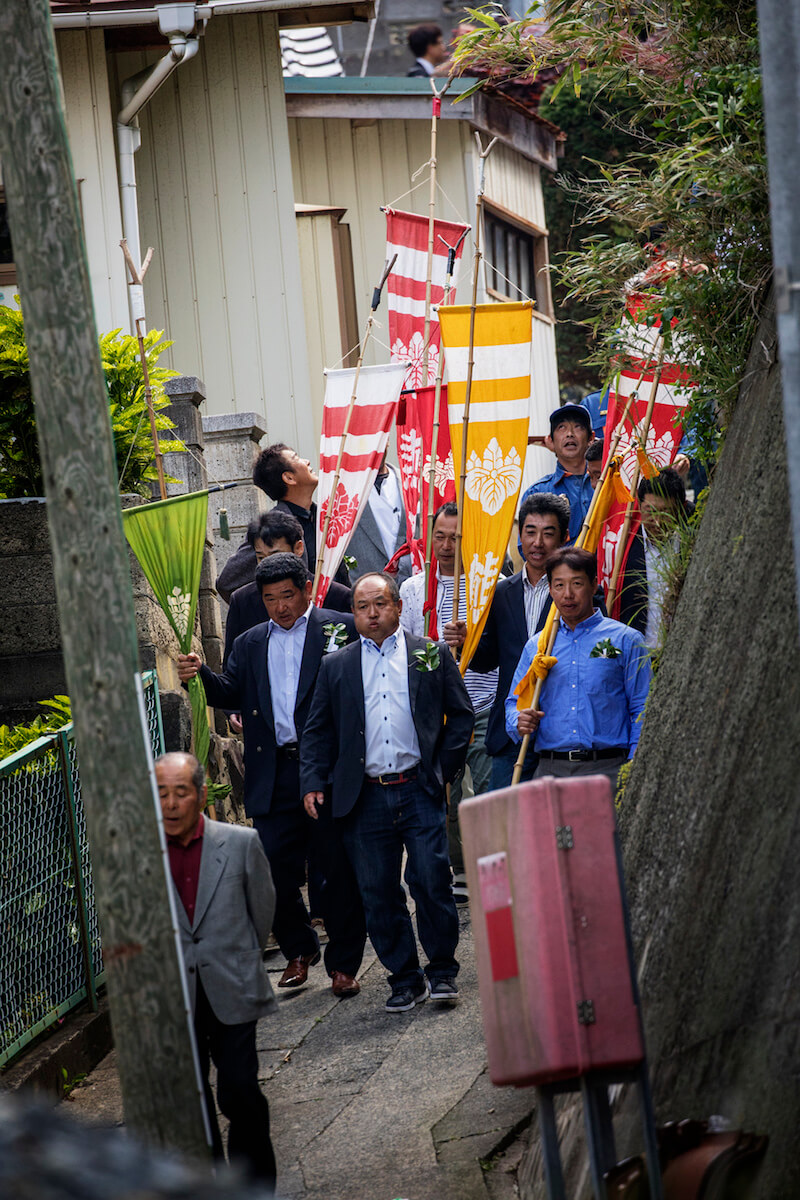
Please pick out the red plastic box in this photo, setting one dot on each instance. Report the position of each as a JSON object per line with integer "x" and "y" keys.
{"x": 549, "y": 929}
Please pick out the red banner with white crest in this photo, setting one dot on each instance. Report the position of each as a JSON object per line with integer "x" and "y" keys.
{"x": 367, "y": 437}
{"x": 407, "y": 237}
{"x": 415, "y": 419}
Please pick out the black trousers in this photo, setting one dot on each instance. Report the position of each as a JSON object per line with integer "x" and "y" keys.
{"x": 232, "y": 1049}
{"x": 291, "y": 838}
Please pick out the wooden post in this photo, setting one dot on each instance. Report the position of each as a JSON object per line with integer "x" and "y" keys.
{"x": 537, "y": 691}
{"x": 160, "y": 1086}
{"x": 452, "y": 251}
{"x": 462, "y": 486}
{"x": 376, "y": 299}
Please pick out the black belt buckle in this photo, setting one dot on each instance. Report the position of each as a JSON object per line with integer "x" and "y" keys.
{"x": 291, "y": 750}
{"x": 579, "y": 755}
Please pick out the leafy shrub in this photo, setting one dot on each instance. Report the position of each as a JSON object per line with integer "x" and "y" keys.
{"x": 20, "y": 467}
{"x": 14, "y": 738}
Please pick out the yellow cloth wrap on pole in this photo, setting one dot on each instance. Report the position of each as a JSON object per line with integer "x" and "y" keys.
{"x": 588, "y": 539}
{"x": 497, "y": 440}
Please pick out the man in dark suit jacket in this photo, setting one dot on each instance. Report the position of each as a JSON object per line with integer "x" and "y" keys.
{"x": 376, "y": 737}
{"x": 275, "y": 532}
{"x": 224, "y": 900}
{"x": 270, "y": 679}
{"x": 288, "y": 480}
{"x": 519, "y": 609}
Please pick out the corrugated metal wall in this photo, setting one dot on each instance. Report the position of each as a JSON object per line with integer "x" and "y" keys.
{"x": 82, "y": 59}
{"x": 215, "y": 200}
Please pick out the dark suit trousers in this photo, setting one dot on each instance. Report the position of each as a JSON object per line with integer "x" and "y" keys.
{"x": 290, "y": 838}
{"x": 232, "y": 1049}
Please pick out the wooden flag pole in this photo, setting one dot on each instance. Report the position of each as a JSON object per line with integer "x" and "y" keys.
{"x": 137, "y": 275}
{"x": 433, "y": 163}
{"x": 376, "y": 299}
{"x": 619, "y": 553}
{"x": 462, "y": 486}
{"x": 452, "y": 251}
{"x": 537, "y": 691}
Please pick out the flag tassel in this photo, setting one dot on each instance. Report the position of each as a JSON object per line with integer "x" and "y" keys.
{"x": 462, "y": 484}
{"x": 376, "y": 299}
{"x": 581, "y": 539}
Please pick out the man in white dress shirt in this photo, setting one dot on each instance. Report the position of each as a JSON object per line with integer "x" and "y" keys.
{"x": 481, "y": 687}
{"x": 389, "y": 727}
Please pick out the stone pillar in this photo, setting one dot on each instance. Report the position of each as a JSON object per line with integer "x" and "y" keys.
{"x": 232, "y": 442}
{"x": 187, "y": 393}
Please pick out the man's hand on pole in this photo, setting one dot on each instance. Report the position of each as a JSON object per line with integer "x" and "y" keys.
{"x": 528, "y": 720}
{"x": 455, "y": 633}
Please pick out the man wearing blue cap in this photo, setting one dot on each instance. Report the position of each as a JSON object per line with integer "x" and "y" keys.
{"x": 570, "y": 435}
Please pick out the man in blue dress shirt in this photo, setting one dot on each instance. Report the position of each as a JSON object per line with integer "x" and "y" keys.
{"x": 570, "y": 435}
{"x": 595, "y": 693}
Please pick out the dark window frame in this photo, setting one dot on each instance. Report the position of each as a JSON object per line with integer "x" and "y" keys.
{"x": 518, "y": 235}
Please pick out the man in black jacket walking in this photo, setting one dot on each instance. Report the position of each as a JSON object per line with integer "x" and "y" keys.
{"x": 377, "y": 752}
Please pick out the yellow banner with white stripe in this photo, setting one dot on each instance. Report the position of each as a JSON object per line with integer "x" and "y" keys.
{"x": 497, "y": 439}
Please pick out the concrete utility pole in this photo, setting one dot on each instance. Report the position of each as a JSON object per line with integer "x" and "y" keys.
{"x": 779, "y": 36}
{"x": 93, "y": 585}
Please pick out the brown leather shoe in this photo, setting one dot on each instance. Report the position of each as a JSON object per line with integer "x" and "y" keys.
{"x": 344, "y": 985}
{"x": 296, "y": 972}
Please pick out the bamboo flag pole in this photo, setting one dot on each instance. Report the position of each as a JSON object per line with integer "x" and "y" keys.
{"x": 537, "y": 691}
{"x": 462, "y": 486}
{"x": 452, "y": 251}
{"x": 137, "y": 275}
{"x": 435, "y": 114}
{"x": 376, "y": 299}
{"x": 619, "y": 553}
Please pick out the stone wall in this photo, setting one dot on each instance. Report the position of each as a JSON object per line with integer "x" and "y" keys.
{"x": 710, "y": 821}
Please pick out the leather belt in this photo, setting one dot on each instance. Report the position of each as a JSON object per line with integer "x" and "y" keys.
{"x": 290, "y": 750}
{"x": 399, "y": 777}
{"x": 585, "y": 755}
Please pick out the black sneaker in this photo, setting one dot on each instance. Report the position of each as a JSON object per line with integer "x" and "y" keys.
{"x": 443, "y": 989}
{"x": 404, "y": 998}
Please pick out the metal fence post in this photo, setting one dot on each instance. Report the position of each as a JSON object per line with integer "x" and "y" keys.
{"x": 75, "y": 852}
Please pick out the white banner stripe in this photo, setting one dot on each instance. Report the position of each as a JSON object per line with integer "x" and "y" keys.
{"x": 376, "y": 385}
{"x": 491, "y": 362}
{"x": 410, "y": 308}
{"x": 413, "y": 264}
{"x": 491, "y": 410}
{"x": 671, "y": 394}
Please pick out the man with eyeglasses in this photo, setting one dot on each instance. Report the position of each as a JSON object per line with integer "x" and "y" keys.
{"x": 481, "y": 687}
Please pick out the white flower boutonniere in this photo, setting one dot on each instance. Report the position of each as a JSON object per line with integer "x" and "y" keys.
{"x": 428, "y": 657}
{"x": 335, "y": 636}
{"x": 605, "y": 649}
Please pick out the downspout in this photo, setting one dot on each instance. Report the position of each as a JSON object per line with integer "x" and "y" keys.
{"x": 136, "y": 91}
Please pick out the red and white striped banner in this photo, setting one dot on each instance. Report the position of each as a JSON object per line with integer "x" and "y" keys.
{"x": 640, "y": 348}
{"x": 407, "y": 237}
{"x": 373, "y": 414}
{"x": 415, "y": 418}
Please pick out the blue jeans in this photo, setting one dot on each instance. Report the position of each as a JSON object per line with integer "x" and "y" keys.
{"x": 503, "y": 765}
{"x": 384, "y": 821}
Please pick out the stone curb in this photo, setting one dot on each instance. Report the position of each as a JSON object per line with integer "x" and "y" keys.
{"x": 54, "y": 1064}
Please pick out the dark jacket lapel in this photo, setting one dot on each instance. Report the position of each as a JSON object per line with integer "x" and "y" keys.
{"x": 312, "y": 654}
{"x": 516, "y": 599}
{"x": 259, "y": 665}
{"x": 351, "y": 664}
{"x": 414, "y": 676}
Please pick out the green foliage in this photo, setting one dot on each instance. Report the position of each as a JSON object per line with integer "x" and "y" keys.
{"x": 20, "y": 468}
{"x": 14, "y": 738}
{"x": 684, "y": 74}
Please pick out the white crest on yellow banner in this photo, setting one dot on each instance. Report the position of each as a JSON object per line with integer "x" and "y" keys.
{"x": 497, "y": 439}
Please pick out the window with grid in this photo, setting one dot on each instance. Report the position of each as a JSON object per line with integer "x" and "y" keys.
{"x": 516, "y": 261}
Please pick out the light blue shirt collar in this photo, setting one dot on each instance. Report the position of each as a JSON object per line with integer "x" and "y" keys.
{"x": 300, "y": 623}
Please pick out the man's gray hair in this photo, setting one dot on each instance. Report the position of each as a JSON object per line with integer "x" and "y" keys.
{"x": 198, "y": 770}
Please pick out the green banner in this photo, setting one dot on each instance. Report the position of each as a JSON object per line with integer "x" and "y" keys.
{"x": 168, "y": 538}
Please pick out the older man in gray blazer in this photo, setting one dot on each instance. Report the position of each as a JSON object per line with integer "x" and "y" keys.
{"x": 225, "y": 903}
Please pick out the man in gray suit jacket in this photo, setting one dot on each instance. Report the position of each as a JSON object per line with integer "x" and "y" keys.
{"x": 381, "y": 531}
{"x": 225, "y": 903}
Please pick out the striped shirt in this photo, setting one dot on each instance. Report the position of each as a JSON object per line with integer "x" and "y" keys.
{"x": 481, "y": 687}
{"x": 536, "y": 596}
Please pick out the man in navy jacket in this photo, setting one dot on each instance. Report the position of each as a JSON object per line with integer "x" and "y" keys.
{"x": 389, "y": 727}
{"x": 270, "y": 679}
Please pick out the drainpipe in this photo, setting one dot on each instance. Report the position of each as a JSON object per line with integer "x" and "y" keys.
{"x": 177, "y": 22}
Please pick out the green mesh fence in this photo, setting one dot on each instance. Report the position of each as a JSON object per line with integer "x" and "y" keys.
{"x": 50, "y": 953}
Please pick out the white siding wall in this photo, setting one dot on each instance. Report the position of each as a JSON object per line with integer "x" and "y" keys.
{"x": 515, "y": 183}
{"x": 320, "y": 283}
{"x": 215, "y": 200}
{"x": 90, "y": 128}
